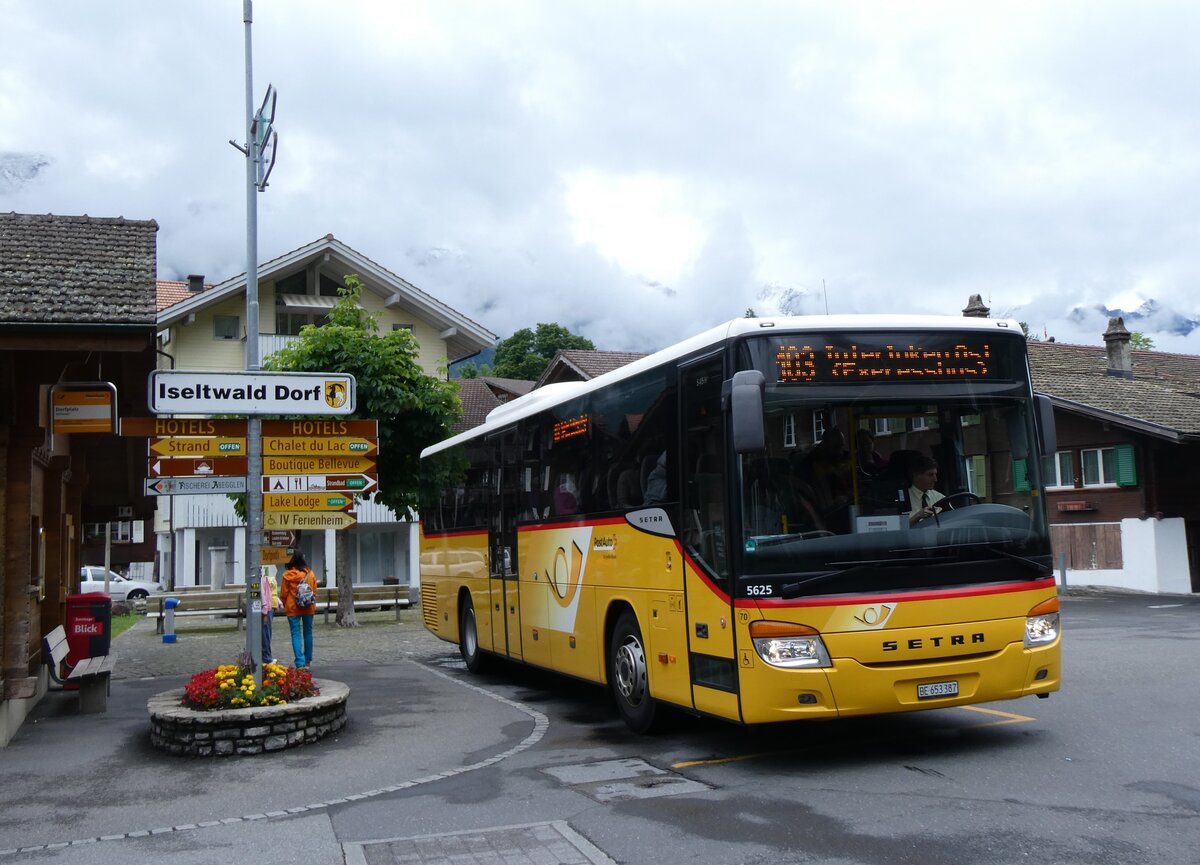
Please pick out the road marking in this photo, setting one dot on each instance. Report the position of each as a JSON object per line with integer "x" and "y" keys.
{"x": 1007, "y": 718}
{"x": 719, "y": 760}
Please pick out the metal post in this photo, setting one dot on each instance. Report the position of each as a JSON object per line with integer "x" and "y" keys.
{"x": 107, "y": 553}
{"x": 254, "y": 424}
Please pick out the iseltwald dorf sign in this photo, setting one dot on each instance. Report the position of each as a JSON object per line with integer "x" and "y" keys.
{"x": 201, "y": 392}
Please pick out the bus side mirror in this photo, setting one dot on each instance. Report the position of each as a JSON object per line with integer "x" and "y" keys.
{"x": 1046, "y": 429}
{"x": 746, "y": 409}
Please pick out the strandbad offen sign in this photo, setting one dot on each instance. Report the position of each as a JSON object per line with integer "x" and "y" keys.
{"x": 195, "y": 392}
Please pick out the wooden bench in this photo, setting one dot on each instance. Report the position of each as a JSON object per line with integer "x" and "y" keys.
{"x": 366, "y": 597}
{"x": 204, "y": 603}
{"x": 93, "y": 675}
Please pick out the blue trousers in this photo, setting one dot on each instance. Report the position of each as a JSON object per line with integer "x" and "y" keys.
{"x": 267, "y": 621}
{"x": 302, "y": 647}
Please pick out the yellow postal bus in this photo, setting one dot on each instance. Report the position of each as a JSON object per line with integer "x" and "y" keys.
{"x": 778, "y": 519}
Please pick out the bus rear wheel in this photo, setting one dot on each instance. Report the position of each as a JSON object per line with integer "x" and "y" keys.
{"x": 628, "y": 677}
{"x": 468, "y": 638}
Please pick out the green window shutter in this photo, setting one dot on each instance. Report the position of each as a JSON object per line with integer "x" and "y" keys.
{"x": 1126, "y": 466}
{"x": 1021, "y": 476}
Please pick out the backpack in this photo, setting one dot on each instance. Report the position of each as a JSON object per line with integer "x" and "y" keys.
{"x": 304, "y": 593}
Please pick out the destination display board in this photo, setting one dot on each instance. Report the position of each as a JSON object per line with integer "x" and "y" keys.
{"x": 914, "y": 358}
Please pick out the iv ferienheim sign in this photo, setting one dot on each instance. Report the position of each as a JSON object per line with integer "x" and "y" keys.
{"x": 199, "y": 392}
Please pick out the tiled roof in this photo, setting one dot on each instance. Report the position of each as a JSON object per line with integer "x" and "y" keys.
{"x": 596, "y": 363}
{"x": 1163, "y": 397}
{"x": 76, "y": 270}
{"x": 513, "y": 386}
{"x": 573, "y": 364}
{"x": 170, "y": 292}
{"x": 480, "y": 395}
{"x": 477, "y": 400}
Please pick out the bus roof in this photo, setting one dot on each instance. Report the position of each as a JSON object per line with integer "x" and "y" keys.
{"x": 553, "y": 394}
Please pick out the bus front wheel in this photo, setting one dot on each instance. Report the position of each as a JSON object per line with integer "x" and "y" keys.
{"x": 627, "y": 675}
{"x": 468, "y": 638}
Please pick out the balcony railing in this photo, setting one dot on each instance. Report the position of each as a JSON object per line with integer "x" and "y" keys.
{"x": 270, "y": 342}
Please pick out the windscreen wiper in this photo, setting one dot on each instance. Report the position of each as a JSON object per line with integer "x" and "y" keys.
{"x": 1032, "y": 564}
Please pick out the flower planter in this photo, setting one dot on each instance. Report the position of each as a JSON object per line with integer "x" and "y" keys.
{"x": 253, "y": 730}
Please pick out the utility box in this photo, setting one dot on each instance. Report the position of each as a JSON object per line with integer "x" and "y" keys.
{"x": 88, "y": 627}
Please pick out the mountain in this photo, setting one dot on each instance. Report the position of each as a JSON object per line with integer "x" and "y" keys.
{"x": 18, "y": 169}
{"x": 1152, "y": 317}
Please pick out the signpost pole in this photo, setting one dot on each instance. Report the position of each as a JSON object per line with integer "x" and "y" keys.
{"x": 254, "y": 427}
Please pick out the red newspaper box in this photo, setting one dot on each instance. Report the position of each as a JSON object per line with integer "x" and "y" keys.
{"x": 88, "y": 627}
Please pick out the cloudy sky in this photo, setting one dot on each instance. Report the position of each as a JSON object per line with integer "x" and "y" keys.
{"x": 639, "y": 171}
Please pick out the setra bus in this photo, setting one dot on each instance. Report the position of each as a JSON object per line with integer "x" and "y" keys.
{"x": 732, "y": 525}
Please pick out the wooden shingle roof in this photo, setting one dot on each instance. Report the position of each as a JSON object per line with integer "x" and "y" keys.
{"x": 57, "y": 270}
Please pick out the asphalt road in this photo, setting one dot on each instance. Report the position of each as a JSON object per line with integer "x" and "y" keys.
{"x": 519, "y": 766}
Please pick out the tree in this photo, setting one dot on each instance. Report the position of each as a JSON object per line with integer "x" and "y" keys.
{"x": 527, "y": 353}
{"x": 470, "y": 369}
{"x": 414, "y": 410}
{"x": 750, "y": 313}
{"x": 1137, "y": 339}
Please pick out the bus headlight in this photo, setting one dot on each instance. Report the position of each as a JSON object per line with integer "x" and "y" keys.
{"x": 1041, "y": 624}
{"x": 781, "y": 644}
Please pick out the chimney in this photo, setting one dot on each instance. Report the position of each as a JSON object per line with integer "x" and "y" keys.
{"x": 195, "y": 283}
{"x": 975, "y": 307}
{"x": 1120, "y": 362}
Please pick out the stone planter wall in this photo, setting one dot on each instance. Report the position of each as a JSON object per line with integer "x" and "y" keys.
{"x": 255, "y": 730}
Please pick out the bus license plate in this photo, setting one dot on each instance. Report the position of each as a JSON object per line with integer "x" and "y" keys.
{"x": 937, "y": 689}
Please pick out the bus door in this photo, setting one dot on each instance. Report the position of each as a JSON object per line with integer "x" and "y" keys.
{"x": 502, "y": 542}
{"x": 706, "y": 525}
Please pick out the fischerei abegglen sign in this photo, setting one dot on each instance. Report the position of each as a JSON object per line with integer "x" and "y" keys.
{"x": 196, "y": 392}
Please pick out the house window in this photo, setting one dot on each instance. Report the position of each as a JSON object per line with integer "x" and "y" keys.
{"x": 289, "y": 323}
{"x": 297, "y": 283}
{"x": 789, "y": 431}
{"x": 975, "y": 470}
{"x": 1059, "y": 469}
{"x": 122, "y": 532}
{"x": 328, "y": 287}
{"x": 1108, "y": 466}
{"x": 818, "y": 426}
{"x": 920, "y": 422}
{"x": 227, "y": 327}
{"x": 882, "y": 426}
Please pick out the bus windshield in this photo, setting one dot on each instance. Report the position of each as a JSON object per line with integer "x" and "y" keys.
{"x": 892, "y": 486}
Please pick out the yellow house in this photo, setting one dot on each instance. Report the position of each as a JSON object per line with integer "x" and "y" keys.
{"x": 200, "y": 540}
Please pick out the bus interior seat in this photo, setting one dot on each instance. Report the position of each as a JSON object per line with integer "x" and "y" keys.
{"x": 629, "y": 490}
{"x": 885, "y": 493}
{"x": 612, "y": 479}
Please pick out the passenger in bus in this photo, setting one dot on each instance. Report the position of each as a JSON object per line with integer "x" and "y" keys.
{"x": 870, "y": 463}
{"x": 826, "y": 472}
{"x": 656, "y": 482}
{"x": 566, "y": 498}
{"x": 922, "y": 497}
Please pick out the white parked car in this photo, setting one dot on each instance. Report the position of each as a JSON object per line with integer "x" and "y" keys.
{"x": 91, "y": 579}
